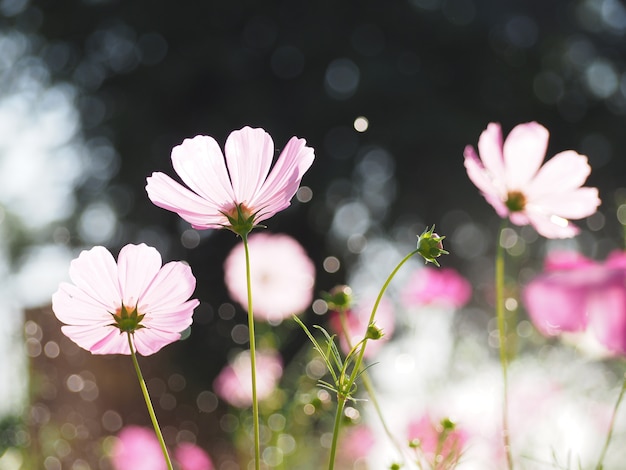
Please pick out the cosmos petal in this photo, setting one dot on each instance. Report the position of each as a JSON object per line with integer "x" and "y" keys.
{"x": 200, "y": 164}
{"x": 607, "y": 313}
{"x": 166, "y": 193}
{"x": 524, "y": 150}
{"x": 174, "y": 318}
{"x": 149, "y": 340}
{"x": 98, "y": 339}
{"x": 172, "y": 285}
{"x": 550, "y": 225}
{"x": 555, "y": 304}
{"x": 490, "y": 149}
{"x": 74, "y": 306}
{"x": 565, "y": 171}
{"x": 484, "y": 182}
{"x": 575, "y": 204}
{"x": 284, "y": 180}
{"x": 249, "y": 155}
{"x": 137, "y": 267}
{"x": 95, "y": 272}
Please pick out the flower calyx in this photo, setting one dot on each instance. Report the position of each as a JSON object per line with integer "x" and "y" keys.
{"x": 241, "y": 220}
{"x": 128, "y": 321}
{"x": 430, "y": 246}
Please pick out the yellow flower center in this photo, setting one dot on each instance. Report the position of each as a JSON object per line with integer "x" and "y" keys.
{"x": 516, "y": 201}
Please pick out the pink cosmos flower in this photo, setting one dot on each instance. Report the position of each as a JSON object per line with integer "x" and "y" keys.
{"x": 137, "y": 448}
{"x": 234, "y": 383}
{"x": 136, "y": 295}
{"x": 245, "y": 193}
{"x": 442, "y": 286}
{"x": 281, "y": 273}
{"x": 191, "y": 457}
{"x": 357, "y": 320}
{"x": 355, "y": 444}
{"x": 576, "y": 294}
{"x": 510, "y": 178}
{"x": 440, "y": 444}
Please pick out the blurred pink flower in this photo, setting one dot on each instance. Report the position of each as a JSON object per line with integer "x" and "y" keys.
{"x": 357, "y": 320}
{"x": 616, "y": 259}
{"x": 559, "y": 260}
{"x": 437, "y": 286}
{"x": 355, "y": 444}
{"x": 577, "y": 295}
{"x": 191, "y": 457}
{"x": 137, "y": 448}
{"x": 510, "y": 178}
{"x": 217, "y": 193}
{"x": 234, "y": 383}
{"x": 136, "y": 295}
{"x": 281, "y": 273}
{"x": 440, "y": 444}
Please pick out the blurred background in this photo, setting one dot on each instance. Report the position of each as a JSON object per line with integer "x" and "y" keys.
{"x": 95, "y": 93}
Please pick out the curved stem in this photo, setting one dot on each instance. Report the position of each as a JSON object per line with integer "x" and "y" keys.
{"x": 146, "y": 396}
{"x": 357, "y": 366}
{"x": 502, "y": 335}
{"x": 599, "y": 465}
{"x": 255, "y": 403}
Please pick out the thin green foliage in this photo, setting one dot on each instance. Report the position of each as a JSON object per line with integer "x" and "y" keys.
{"x": 338, "y": 368}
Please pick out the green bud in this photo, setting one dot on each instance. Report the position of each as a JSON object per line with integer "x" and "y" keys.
{"x": 430, "y": 246}
{"x": 373, "y": 332}
{"x": 415, "y": 443}
{"x": 447, "y": 424}
{"x": 339, "y": 298}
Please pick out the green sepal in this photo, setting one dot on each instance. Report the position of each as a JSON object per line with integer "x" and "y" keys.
{"x": 128, "y": 321}
{"x": 242, "y": 223}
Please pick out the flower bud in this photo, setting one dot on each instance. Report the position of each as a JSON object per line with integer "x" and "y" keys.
{"x": 448, "y": 425}
{"x": 415, "y": 443}
{"x": 339, "y": 298}
{"x": 373, "y": 332}
{"x": 430, "y": 246}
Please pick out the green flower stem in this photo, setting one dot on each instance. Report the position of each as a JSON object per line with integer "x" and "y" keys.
{"x": 502, "y": 335}
{"x": 370, "y": 388}
{"x": 255, "y": 402}
{"x": 600, "y": 465}
{"x": 146, "y": 396}
{"x": 341, "y": 402}
{"x": 357, "y": 366}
